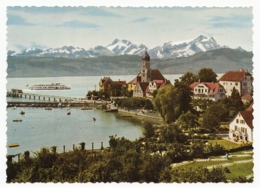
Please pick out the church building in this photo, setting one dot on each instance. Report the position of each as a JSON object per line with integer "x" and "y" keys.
{"x": 147, "y": 77}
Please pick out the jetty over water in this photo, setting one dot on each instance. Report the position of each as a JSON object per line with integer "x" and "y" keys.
{"x": 20, "y": 94}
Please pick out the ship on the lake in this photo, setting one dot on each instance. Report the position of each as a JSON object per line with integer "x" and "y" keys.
{"x": 52, "y": 86}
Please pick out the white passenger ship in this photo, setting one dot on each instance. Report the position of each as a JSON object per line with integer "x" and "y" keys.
{"x": 53, "y": 86}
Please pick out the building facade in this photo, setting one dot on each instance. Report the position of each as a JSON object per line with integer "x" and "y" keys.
{"x": 208, "y": 90}
{"x": 241, "y": 127}
{"x": 241, "y": 80}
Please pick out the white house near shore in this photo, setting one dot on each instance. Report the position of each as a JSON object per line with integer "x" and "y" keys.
{"x": 241, "y": 80}
{"x": 241, "y": 127}
{"x": 208, "y": 90}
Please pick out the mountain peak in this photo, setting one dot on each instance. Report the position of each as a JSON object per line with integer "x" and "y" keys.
{"x": 239, "y": 48}
{"x": 115, "y": 41}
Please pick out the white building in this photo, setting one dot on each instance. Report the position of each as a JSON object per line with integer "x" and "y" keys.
{"x": 208, "y": 90}
{"x": 241, "y": 80}
{"x": 241, "y": 127}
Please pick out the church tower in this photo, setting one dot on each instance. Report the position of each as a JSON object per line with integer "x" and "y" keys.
{"x": 145, "y": 70}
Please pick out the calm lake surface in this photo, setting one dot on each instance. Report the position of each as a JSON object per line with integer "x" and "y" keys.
{"x": 46, "y": 128}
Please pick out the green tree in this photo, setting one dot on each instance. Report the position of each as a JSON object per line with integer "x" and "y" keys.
{"x": 207, "y": 75}
{"x": 235, "y": 102}
{"x": 148, "y": 130}
{"x": 188, "y": 121}
{"x": 210, "y": 121}
{"x": 188, "y": 78}
{"x": 171, "y": 101}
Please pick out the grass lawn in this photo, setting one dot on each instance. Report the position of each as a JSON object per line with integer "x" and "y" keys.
{"x": 236, "y": 170}
{"x": 243, "y": 169}
{"x": 225, "y": 143}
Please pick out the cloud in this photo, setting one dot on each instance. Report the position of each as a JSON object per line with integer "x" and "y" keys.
{"x": 144, "y": 19}
{"x": 39, "y": 46}
{"x": 17, "y": 20}
{"x": 77, "y": 24}
{"x": 234, "y": 21}
{"x": 20, "y": 47}
{"x": 42, "y": 10}
{"x": 99, "y": 13}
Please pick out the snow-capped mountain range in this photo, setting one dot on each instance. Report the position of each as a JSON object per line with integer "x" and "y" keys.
{"x": 169, "y": 50}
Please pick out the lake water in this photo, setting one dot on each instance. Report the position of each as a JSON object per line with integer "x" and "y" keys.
{"x": 46, "y": 128}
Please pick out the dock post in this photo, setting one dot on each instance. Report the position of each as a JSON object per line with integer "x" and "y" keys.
{"x": 25, "y": 96}
{"x": 54, "y": 100}
{"x": 63, "y": 149}
{"x": 39, "y": 98}
{"x": 26, "y": 154}
{"x": 102, "y": 146}
{"x": 18, "y": 157}
{"x": 92, "y": 146}
{"x": 9, "y": 159}
{"x": 44, "y": 98}
{"x": 34, "y": 97}
{"x": 73, "y": 147}
{"x": 54, "y": 148}
{"x": 82, "y": 146}
{"x": 49, "y": 98}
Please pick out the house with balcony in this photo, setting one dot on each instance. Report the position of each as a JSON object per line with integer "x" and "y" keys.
{"x": 241, "y": 80}
{"x": 208, "y": 90}
{"x": 241, "y": 127}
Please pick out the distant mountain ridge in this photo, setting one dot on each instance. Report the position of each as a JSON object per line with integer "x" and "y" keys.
{"x": 169, "y": 50}
{"x": 220, "y": 60}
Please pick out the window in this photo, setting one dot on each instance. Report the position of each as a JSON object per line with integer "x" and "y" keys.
{"x": 231, "y": 83}
{"x": 242, "y": 121}
{"x": 236, "y": 84}
{"x": 244, "y": 84}
{"x": 242, "y": 130}
{"x": 235, "y": 128}
{"x": 237, "y": 120}
{"x": 205, "y": 90}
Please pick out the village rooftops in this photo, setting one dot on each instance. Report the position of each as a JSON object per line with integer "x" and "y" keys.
{"x": 237, "y": 75}
{"x": 248, "y": 117}
{"x": 213, "y": 87}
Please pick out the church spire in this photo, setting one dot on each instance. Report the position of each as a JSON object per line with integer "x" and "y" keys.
{"x": 146, "y": 56}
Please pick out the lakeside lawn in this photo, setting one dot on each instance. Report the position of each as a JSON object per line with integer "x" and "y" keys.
{"x": 225, "y": 143}
{"x": 236, "y": 169}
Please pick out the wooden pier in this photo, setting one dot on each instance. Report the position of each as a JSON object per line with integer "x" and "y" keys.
{"x": 16, "y": 93}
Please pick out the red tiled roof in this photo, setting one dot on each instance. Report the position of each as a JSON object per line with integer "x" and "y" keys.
{"x": 213, "y": 87}
{"x": 120, "y": 82}
{"x": 135, "y": 80}
{"x": 248, "y": 117}
{"x": 246, "y": 97}
{"x": 105, "y": 79}
{"x": 156, "y": 75}
{"x": 237, "y": 75}
{"x": 144, "y": 85}
{"x": 250, "y": 108}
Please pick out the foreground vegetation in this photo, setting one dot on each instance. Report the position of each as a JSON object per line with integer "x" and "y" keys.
{"x": 147, "y": 159}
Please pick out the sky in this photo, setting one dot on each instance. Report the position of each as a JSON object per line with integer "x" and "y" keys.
{"x": 89, "y": 26}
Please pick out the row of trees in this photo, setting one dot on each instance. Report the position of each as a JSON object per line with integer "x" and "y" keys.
{"x": 144, "y": 160}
